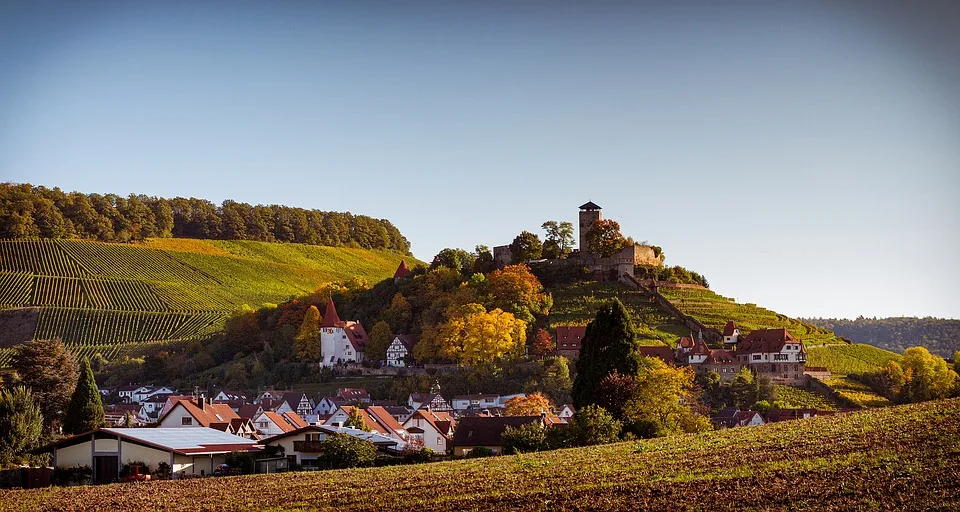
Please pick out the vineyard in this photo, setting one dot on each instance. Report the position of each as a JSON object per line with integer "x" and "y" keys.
{"x": 119, "y": 298}
{"x": 578, "y": 303}
{"x": 713, "y": 310}
{"x": 800, "y": 398}
{"x": 899, "y": 458}
{"x": 849, "y": 359}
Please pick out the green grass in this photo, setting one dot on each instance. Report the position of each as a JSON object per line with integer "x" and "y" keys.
{"x": 901, "y": 458}
{"x": 849, "y": 359}
{"x": 578, "y": 303}
{"x": 713, "y": 310}
{"x": 94, "y": 295}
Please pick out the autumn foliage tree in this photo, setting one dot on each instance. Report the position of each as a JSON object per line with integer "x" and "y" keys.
{"x": 542, "y": 344}
{"x": 307, "y": 343}
{"x": 605, "y": 239}
{"x": 529, "y": 405}
{"x": 474, "y": 335}
{"x": 918, "y": 377}
{"x": 515, "y": 289}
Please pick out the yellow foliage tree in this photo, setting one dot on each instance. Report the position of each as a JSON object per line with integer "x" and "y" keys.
{"x": 530, "y": 405}
{"x": 307, "y": 343}
{"x": 474, "y": 335}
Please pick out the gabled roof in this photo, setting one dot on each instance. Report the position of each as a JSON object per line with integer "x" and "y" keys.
{"x": 487, "y": 431}
{"x": 661, "y": 352}
{"x": 294, "y": 419}
{"x": 293, "y": 398}
{"x": 590, "y": 205}
{"x": 356, "y": 334}
{"x": 278, "y": 420}
{"x": 442, "y": 422}
{"x": 718, "y": 356}
{"x": 701, "y": 348}
{"x": 407, "y": 340}
{"x": 402, "y": 270}
{"x": 766, "y": 341}
{"x": 376, "y": 418}
{"x": 249, "y": 411}
{"x": 211, "y": 415}
{"x": 184, "y": 441}
{"x": 730, "y": 327}
{"x": 330, "y": 317}
{"x": 350, "y": 394}
{"x": 570, "y": 336}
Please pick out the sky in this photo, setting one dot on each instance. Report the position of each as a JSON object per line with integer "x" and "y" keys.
{"x": 803, "y": 156}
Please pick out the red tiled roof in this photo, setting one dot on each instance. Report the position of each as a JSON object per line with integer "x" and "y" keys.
{"x": 570, "y": 336}
{"x": 330, "y": 317}
{"x": 728, "y": 330}
{"x": 402, "y": 270}
{"x": 442, "y": 422}
{"x": 721, "y": 357}
{"x": 766, "y": 341}
{"x": 701, "y": 348}
{"x": 356, "y": 334}
{"x": 686, "y": 342}
{"x": 661, "y": 352}
{"x": 211, "y": 415}
{"x": 278, "y": 420}
{"x": 294, "y": 419}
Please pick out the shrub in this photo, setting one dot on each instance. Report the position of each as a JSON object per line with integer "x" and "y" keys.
{"x": 480, "y": 451}
{"x": 345, "y": 451}
{"x": 530, "y": 437}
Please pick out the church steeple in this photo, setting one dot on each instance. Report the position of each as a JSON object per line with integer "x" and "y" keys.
{"x": 331, "y": 318}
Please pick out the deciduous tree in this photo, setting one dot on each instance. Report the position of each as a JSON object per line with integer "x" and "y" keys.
{"x": 529, "y": 405}
{"x": 380, "y": 338}
{"x": 559, "y": 235}
{"x": 542, "y": 344}
{"x": 344, "y": 451}
{"x": 475, "y": 335}
{"x": 50, "y": 372}
{"x": 593, "y": 425}
{"x": 525, "y": 247}
{"x": 307, "y": 345}
{"x": 605, "y": 239}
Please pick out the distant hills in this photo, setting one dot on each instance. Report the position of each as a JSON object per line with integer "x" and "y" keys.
{"x": 939, "y": 335}
{"x": 115, "y": 298}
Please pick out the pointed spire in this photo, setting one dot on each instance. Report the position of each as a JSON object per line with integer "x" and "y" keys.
{"x": 330, "y": 318}
{"x": 402, "y": 270}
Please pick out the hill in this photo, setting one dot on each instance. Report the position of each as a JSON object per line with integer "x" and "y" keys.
{"x": 105, "y": 297}
{"x": 899, "y": 458}
{"x": 940, "y": 336}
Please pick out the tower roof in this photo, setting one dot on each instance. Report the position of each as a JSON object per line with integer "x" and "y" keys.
{"x": 402, "y": 270}
{"x": 330, "y": 318}
{"x": 590, "y": 205}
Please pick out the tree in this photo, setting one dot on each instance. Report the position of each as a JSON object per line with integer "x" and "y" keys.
{"x": 616, "y": 391}
{"x": 604, "y": 238}
{"x": 665, "y": 401}
{"x": 307, "y": 346}
{"x": 609, "y": 345}
{"x": 920, "y": 376}
{"x": 529, "y": 437}
{"x": 744, "y": 388}
{"x": 542, "y": 344}
{"x": 50, "y": 372}
{"x": 380, "y": 338}
{"x": 525, "y": 247}
{"x": 530, "y": 405}
{"x": 355, "y": 420}
{"x": 21, "y": 423}
{"x": 484, "y": 260}
{"x": 457, "y": 259}
{"x": 559, "y": 235}
{"x": 345, "y": 451}
{"x": 515, "y": 289}
{"x": 593, "y": 425}
{"x": 474, "y": 335}
{"x": 85, "y": 412}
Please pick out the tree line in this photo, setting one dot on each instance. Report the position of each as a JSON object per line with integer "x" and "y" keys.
{"x": 939, "y": 335}
{"x": 28, "y": 211}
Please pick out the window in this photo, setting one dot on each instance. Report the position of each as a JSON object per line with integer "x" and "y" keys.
{"x": 756, "y": 357}
{"x": 439, "y": 440}
{"x": 186, "y": 420}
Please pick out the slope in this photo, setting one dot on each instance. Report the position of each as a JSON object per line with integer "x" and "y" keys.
{"x": 900, "y": 458}
{"x": 108, "y": 298}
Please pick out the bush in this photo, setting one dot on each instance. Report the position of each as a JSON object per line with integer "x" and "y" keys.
{"x": 163, "y": 471}
{"x": 79, "y": 475}
{"x": 594, "y": 425}
{"x": 530, "y": 437}
{"x": 345, "y": 451}
{"x": 480, "y": 451}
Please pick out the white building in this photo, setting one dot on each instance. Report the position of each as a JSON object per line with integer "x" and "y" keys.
{"x": 731, "y": 333}
{"x": 340, "y": 341}
{"x": 431, "y": 429}
{"x": 400, "y": 350}
{"x": 464, "y": 402}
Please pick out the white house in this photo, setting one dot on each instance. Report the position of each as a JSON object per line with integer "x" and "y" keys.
{"x": 340, "y": 341}
{"x": 230, "y": 396}
{"x": 375, "y": 418}
{"x": 144, "y": 392}
{"x": 295, "y": 401}
{"x": 304, "y": 444}
{"x": 731, "y": 333}
{"x": 126, "y": 392}
{"x": 327, "y": 405}
{"x": 400, "y": 350}
{"x": 269, "y": 423}
{"x": 566, "y": 412}
{"x": 502, "y": 401}
{"x": 463, "y": 402}
{"x": 200, "y": 412}
{"x": 775, "y": 353}
{"x": 431, "y": 429}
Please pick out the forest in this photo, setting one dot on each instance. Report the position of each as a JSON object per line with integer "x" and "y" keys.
{"x": 940, "y": 336}
{"x": 28, "y": 211}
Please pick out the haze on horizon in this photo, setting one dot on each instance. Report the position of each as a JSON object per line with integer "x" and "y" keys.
{"x": 803, "y": 156}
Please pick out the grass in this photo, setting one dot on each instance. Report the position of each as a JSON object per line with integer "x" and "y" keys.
{"x": 578, "y": 303}
{"x": 714, "y": 310}
{"x": 901, "y": 458}
{"x": 94, "y": 295}
{"x": 850, "y": 359}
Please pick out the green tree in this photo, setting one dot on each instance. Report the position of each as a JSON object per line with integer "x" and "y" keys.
{"x": 345, "y": 451}
{"x": 604, "y": 238}
{"x": 484, "y": 260}
{"x": 525, "y": 247}
{"x": 355, "y": 420}
{"x": 21, "y": 423}
{"x": 924, "y": 376}
{"x": 380, "y": 339}
{"x": 529, "y": 437}
{"x": 85, "y": 411}
{"x": 307, "y": 346}
{"x": 609, "y": 345}
{"x": 593, "y": 425}
{"x": 50, "y": 372}
{"x": 744, "y": 388}
{"x": 559, "y": 235}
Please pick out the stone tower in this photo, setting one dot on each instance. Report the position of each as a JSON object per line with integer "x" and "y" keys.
{"x": 589, "y": 213}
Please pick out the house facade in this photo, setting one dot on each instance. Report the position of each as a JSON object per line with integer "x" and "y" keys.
{"x": 340, "y": 341}
{"x": 463, "y": 402}
{"x": 400, "y": 351}
{"x": 569, "y": 338}
{"x": 774, "y": 353}
{"x": 431, "y": 429}
{"x": 483, "y": 431}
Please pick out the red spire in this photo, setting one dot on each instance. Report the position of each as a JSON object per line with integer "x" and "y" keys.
{"x": 330, "y": 318}
{"x": 402, "y": 270}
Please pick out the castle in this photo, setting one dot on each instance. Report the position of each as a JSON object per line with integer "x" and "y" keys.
{"x": 340, "y": 341}
{"x": 613, "y": 267}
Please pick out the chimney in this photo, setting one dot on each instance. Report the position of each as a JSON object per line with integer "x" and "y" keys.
{"x": 201, "y": 402}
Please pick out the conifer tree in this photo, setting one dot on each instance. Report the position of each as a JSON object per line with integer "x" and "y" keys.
{"x": 307, "y": 344}
{"x": 50, "y": 371}
{"x": 609, "y": 345}
{"x": 85, "y": 411}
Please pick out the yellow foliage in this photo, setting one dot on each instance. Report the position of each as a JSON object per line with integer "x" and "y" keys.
{"x": 530, "y": 405}
{"x": 475, "y": 335}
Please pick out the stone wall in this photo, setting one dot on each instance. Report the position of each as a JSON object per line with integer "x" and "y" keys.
{"x": 710, "y": 334}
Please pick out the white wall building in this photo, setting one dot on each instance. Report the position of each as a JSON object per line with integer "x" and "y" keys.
{"x": 340, "y": 341}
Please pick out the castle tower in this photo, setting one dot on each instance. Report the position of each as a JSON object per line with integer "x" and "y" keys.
{"x": 331, "y": 331}
{"x": 589, "y": 213}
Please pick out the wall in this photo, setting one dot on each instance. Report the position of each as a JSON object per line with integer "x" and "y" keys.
{"x": 710, "y": 335}
{"x": 152, "y": 457}
{"x": 76, "y": 455}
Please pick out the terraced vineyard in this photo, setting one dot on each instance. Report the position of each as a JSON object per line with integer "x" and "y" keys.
{"x": 578, "y": 303}
{"x": 900, "y": 458}
{"x": 114, "y": 298}
{"x": 713, "y": 310}
{"x": 849, "y": 359}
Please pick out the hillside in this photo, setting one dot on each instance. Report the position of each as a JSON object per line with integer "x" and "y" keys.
{"x": 102, "y": 297}
{"x": 714, "y": 310}
{"x": 900, "y": 458}
{"x": 940, "y": 336}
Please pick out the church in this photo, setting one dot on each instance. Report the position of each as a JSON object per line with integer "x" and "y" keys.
{"x": 340, "y": 341}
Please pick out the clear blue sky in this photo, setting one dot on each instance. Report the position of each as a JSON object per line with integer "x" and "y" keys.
{"x": 801, "y": 155}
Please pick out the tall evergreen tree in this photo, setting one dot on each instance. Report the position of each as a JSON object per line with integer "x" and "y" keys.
{"x": 85, "y": 411}
{"x": 50, "y": 372}
{"x": 610, "y": 344}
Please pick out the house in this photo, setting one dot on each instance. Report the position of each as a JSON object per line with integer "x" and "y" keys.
{"x": 464, "y": 402}
{"x": 502, "y": 400}
{"x": 774, "y": 353}
{"x": 295, "y": 401}
{"x": 144, "y": 392}
{"x": 400, "y": 351}
{"x": 154, "y": 404}
{"x": 661, "y": 352}
{"x": 127, "y": 392}
{"x": 375, "y": 418}
{"x": 432, "y": 400}
{"x": 303, "y": 445}
{"x": 775, "y": 415}
{"x": 270, "y": 423}
{"x": 171, "y": 401}
{"x": 724, "y": 362}
{"x": 249, "y": 411}
{"x": 202, "y": 412}
{"x": 431, "y": 429}
{"x": 117, "y": 415}
{"x": 340, "y": 341}
{"x": 692, "y": 351}
{"x": 400, "y": 412}
{"x": 230, "y": 396}
{"x": 486, "y": 432}
{"x": 327, "y": 405}
{"x": 402, "y": 271}
{"x": 566, "y": 412}
{"x": 569, "y": 338}
{"x": 189, "y": 451}
{"x": 731, "y": 334}
{"x": 731, "y": 417}
{"x": 354, "y": 395}
{"x": 269, "y": 394}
